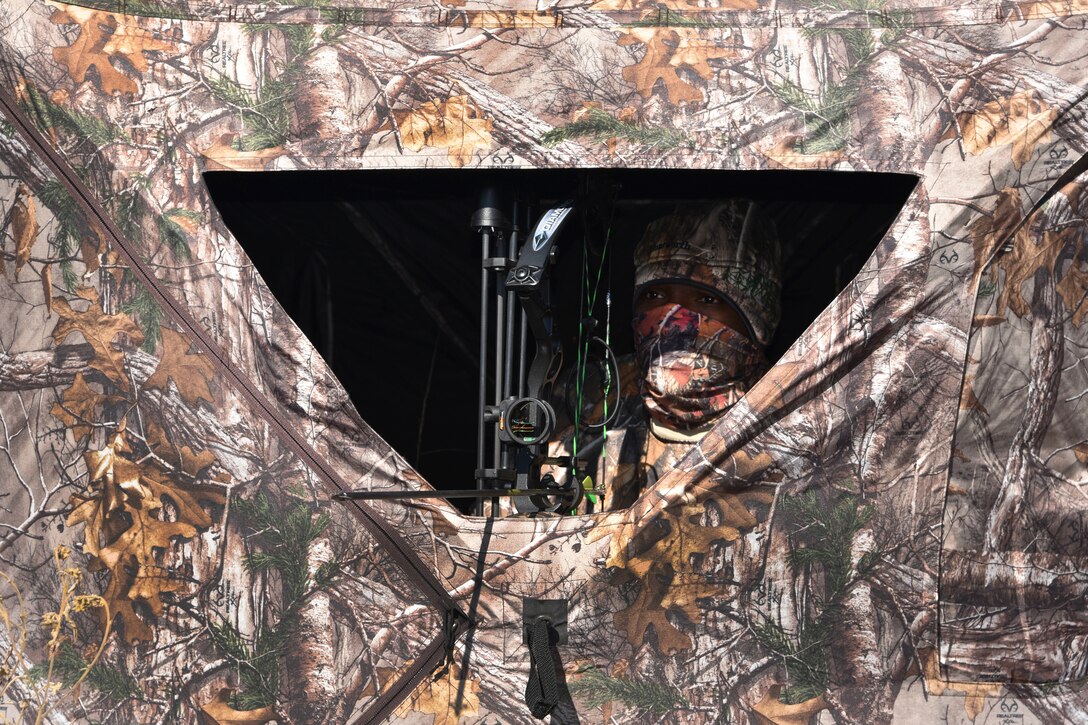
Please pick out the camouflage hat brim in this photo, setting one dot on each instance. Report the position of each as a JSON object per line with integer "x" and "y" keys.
{"x": 683, "y": 279}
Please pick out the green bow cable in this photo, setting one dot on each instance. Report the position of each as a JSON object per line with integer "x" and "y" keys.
{"x": 590, "y": 300}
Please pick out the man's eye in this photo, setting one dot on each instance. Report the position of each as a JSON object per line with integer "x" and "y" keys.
{"x": 710, "y": 300}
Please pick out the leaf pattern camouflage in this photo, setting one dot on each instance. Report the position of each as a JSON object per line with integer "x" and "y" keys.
{"x": 890, "y": 526}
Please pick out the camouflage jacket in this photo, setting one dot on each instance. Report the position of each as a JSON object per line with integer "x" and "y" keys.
{"x": 630, "y": 457}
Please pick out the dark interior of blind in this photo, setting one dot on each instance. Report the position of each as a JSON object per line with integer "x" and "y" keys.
{"x": 381, "y": 269}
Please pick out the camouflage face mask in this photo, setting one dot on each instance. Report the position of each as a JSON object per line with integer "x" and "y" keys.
{"x": 694, "y": 368}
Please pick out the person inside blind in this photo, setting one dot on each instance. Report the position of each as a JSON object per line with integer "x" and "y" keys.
{"x": 706, "y": 305}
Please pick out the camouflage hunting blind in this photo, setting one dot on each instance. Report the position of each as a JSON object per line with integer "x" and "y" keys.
{"x": 890, "y": 526}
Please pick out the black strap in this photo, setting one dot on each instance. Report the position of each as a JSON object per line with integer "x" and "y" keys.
{"x": 542, "y": 691}
{"x": 449, "y": 637}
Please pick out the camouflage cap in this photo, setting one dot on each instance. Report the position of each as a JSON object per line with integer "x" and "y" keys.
{"x": 729, "y": 248}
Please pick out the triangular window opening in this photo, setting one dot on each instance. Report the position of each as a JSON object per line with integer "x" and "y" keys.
{"x": 382, "y": 271}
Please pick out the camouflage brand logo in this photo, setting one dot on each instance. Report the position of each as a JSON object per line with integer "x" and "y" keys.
{"x": 672, "y": 245}
{"x": 1057, "y": 159}
{"x": 1008, "y": 712}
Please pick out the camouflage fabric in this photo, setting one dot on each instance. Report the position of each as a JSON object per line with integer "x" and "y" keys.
{"x": 630, "y": 458}
{"x": 693, "y": 367}
{"x": 889, "y": 526}
{"x": 730, "y": 248}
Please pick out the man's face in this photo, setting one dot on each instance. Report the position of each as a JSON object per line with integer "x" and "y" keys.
{"x": 695, "y": 299}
